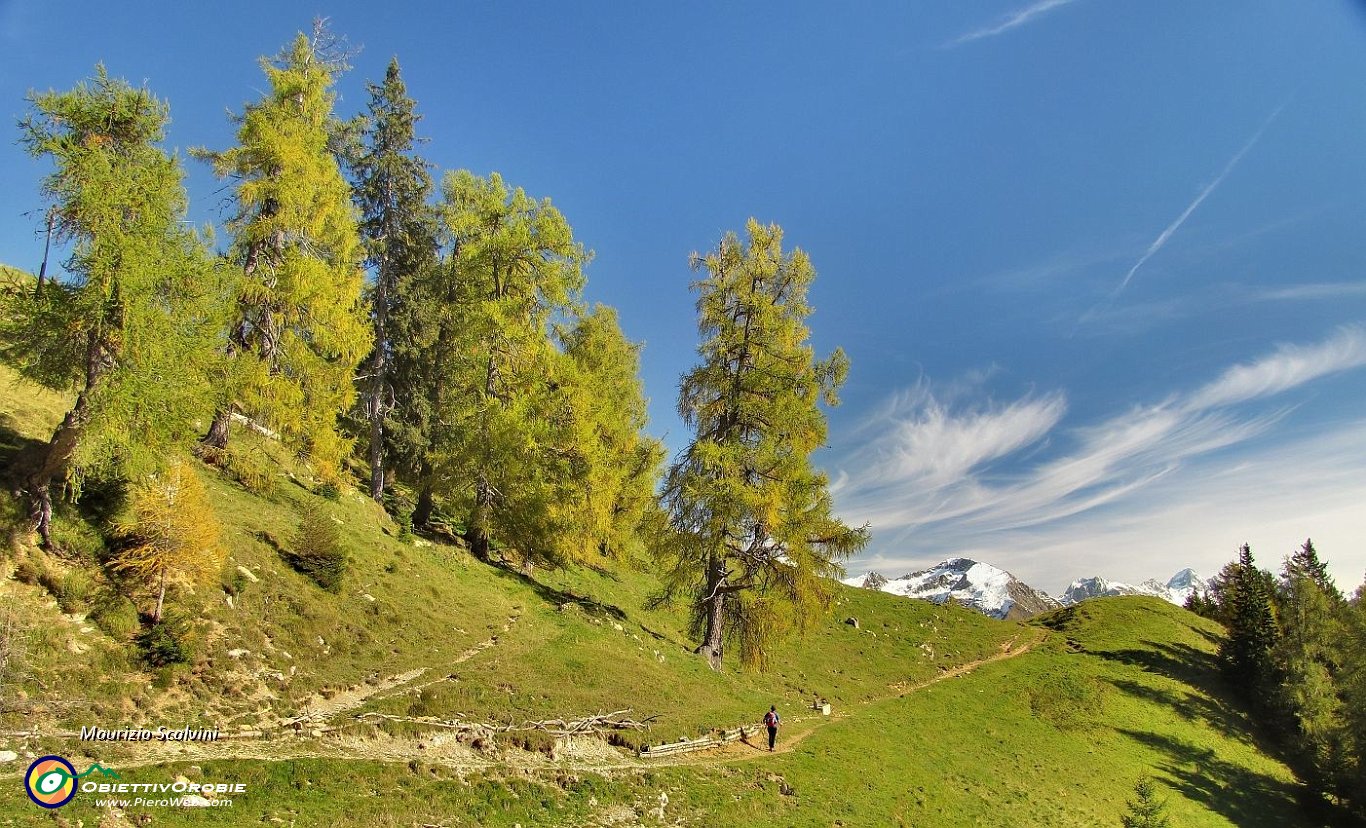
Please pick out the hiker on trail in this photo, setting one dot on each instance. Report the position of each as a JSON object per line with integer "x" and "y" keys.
{"x": 771, "y": 721}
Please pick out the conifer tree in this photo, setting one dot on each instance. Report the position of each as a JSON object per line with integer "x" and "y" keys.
{"x": 173, "y": 531}
{"x": 1309, "y": 656}
{"x": 299, "y": 329}
{"x": 392, "y": 187}
{"x": 1305, "y": 563}
{"x": 755, "y": 546}
{"x": 1252, "y": 627}
{"x": 516, "y": 268}
{"x": 1353, "y": 681}
{"x": 1145, "y": 809}
{"x": 131, "y": 328}
{"x": 614, "y": 464}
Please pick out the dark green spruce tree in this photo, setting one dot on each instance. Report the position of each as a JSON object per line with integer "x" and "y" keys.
{"x": 754, "y": 545}
{"x": 131, "y": 328}
{"x": 1310, "y": 659}
{"x": 1145, "y": 809}
{"x": 1246, "y": 601}
{"x": 392, "y": 187}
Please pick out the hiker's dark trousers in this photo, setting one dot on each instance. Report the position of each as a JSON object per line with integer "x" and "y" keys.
{"x": 772, "y": 737}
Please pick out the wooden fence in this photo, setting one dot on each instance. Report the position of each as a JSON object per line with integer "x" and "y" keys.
{"x": 713, "y": 740}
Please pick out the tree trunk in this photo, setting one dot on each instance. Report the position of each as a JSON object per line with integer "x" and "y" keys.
{"x": 376, "y": 450}
{"x": 218, "y": 430}
{"x": 161, "y": 600}
{"x": 715, "y": 601}
{"x": 53, "y": 458}
{"x": 478, "y": 533}
{"x": 422, "y": 510}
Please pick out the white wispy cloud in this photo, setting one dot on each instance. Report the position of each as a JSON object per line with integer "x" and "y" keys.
{"x": 936, "y": 480}
{"x": 1166, "y": 234}
{"x": 1012, "y": 21}
{"x": 1319, "y": 290}
{"x": 1289, "y": 366}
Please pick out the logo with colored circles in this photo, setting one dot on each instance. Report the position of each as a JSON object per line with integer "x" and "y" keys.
{"x": 50, "y": 781}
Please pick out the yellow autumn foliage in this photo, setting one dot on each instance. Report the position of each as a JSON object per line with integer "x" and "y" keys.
{"x": 176, "y": 538}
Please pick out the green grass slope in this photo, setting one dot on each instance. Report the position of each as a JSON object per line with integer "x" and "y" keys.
{"x": 423, "y": 634}
{"x": 1056, "y": 737}
{"x": 420, "y": 631}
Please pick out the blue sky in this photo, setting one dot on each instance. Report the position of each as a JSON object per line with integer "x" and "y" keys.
{"x": 1100, "y": 267}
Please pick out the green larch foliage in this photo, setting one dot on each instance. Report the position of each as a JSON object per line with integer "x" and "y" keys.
{"x": 517, "y": 268}
{"x": 300, "y": 327}
{"x": 614, "y": 465}
{"x": 755, "y": 546}
{"x": 391, "y": 186}
{"x": 131, "y": 328}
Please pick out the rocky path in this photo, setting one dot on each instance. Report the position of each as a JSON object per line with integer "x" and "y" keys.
{"x": 320, "y": 737}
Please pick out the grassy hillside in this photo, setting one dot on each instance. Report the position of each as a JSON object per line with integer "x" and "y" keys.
{"x": 425, "y": 635}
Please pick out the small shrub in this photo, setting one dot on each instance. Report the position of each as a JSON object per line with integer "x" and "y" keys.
{"x": 114, "y": 614}
{"x": 234, "y": 581}
{"x": 249, "y": 468}
{"x": 74, "y": 591}
{"x": 330, "y": 490}
{"x": 30, "y": 571}
{"x": 165, "y": 644}
{"x": 405, "y": 526}
{"x": 317, "y": 551}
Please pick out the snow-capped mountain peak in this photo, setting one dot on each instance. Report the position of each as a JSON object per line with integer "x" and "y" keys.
{"x": 1176, "y": 590}
{"x": 983, "y": 587}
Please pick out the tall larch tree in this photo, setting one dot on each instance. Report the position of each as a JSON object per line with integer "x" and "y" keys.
{"x": 614, "y": 464}
{"x": 300, "y": 327}
{"x": 517, "y": 268}
{"x": 392, "y": 188}
{"x": 131, "y": 326}
{"x": 755, "y": 546}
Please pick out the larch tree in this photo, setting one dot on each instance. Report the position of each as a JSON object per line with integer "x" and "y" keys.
{"x": 174, "y": 537}
{"x": 755, "y": 546}
{"x": 300, "y": 328}
{"x": 131, "y": 327}
{"x": 391, "y": 186}
{"x": 614, "y": 464}
{"x": 517, "y": 268}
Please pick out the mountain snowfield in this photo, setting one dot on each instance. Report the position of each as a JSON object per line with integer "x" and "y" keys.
{"x": 1176, "y": 590}
{"x": 983, "y": 587}
{"x": 997, "y": 593}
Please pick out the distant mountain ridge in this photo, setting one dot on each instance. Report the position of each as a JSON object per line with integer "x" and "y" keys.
{"x": 998, "y": 594}
{"x": 1176, "y": 590}
{"x": 991, "y": 591}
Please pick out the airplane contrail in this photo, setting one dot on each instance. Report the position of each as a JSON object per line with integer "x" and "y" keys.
{"x": 1014, "y": 21}
{"x": 1163, "y": 237}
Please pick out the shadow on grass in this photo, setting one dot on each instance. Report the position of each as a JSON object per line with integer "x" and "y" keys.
{"x": 559, "y": 597}
{"x": 1177, "y": 661}
{"x": 1246, "y": 798}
